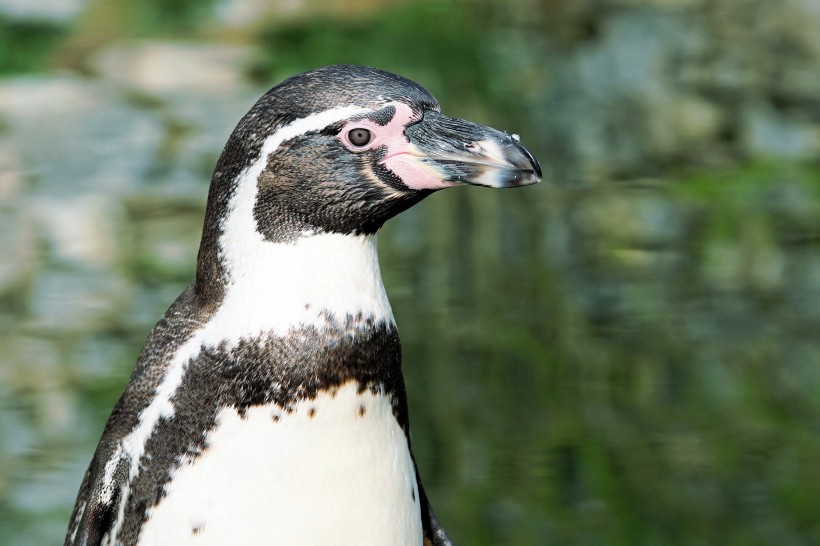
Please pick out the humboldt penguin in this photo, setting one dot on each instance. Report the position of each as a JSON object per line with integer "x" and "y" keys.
{"x": 268, "y": 404}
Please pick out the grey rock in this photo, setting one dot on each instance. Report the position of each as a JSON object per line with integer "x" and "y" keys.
{"x": 18, "y": 247}
{"x": 76, "y": 135}
{"x": 248, "y": 13}
{"x": 208, "y": 122}
{"x": 58, "y": 11}
{"x": 175, "y": 69}
{"x": 76, "y": 301}
{"x": 80, "y": 231}
{"x": 11, "y": 171}
{"x": 769, "y": 133}
{"x": 200, "y": 90}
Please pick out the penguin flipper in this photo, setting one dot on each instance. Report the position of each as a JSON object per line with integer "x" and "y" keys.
{"x": 89, "y": 519}
{"x": 92, "y": 527}
{"x": 97, "y": 500}
{"x": 434, "y": 533}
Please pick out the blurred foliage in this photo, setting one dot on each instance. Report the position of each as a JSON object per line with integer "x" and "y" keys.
{"x": 26, "y": 46}
{"x": 155, "y": 18}
{"x": 745, "y": 180}
{"x": 436, "y": 42}
{"x": 168, "y": 17}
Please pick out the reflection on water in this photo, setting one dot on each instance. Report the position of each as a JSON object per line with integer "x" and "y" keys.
{"x": 588, "y": 361}
{"x": 579, "y": 374}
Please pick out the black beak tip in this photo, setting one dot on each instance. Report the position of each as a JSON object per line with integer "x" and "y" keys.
{"x": 521, "y": 168}
{"x": 534, "y": 164}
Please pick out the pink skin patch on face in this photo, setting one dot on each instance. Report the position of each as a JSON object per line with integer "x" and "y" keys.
{"x": 402, "y": 157}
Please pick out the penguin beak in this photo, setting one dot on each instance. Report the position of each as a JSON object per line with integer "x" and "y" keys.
{"x": 444, "y": 151}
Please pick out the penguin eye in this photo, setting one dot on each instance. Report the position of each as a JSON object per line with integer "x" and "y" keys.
{"x": 359, "y": 136}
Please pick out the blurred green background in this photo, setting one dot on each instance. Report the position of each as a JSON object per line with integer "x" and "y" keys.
{"x": 627, "y": 354}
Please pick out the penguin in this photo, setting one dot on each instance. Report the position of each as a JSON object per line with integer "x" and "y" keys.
{"x": 268, "y": 405}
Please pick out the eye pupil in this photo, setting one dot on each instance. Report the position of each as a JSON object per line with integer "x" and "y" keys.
{"x": 359, "y": 137}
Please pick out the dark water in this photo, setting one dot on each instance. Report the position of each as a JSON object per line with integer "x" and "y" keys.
{"x": 573, "y": 384}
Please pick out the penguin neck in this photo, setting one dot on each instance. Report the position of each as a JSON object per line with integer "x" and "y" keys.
{"x": 252, "y": 285}
{"x": 316, "y": 281}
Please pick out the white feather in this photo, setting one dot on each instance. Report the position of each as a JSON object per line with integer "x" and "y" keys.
{"x": 276, "y": 286}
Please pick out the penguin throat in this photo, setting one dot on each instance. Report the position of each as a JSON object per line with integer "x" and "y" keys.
{"x": 275, "y": 287}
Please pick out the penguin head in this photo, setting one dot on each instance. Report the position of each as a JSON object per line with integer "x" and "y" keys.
{"x": 342, "y": 149}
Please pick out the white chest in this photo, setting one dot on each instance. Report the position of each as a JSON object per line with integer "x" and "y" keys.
{"x": 334, "y": 471}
